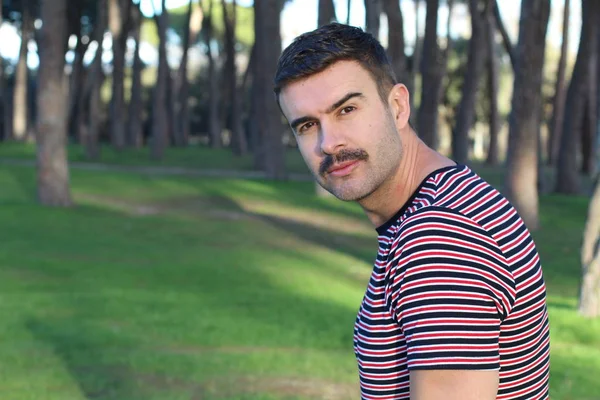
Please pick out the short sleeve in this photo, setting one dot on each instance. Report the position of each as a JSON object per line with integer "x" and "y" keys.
{"x": 449, "y": 290}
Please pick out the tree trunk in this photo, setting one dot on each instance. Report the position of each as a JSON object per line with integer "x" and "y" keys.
{"x": 239, "y": 144}
{"x": 214, "y": 122}
{"x": 558, "y": 109}
{"x": 373, "y": 11}
{"x": 348, "y": 15}
{"x": 432, "y": 71}
{"x": 395, "y": 48}
{"x": 160, "y": 113}
{"x": 90, "y": 135}
{"x": 590, "y": 121}
{"x": 326, "y": 12}
{"x": 415, "y": 64}
{"x": 182, "y": 113}
{"x": 589, "y": 296}
{"x": 134, "y": 129}
{"x": 522, "y": 164}
{"x": 271, "y": 153}
{"x": 475, "y": 65}
{"x": 20, "y": 98}
{"x": 492, "y": 156}
{"x": 568, "y": 180}
{"x": 3, "y": 130}
{"x": 76, "y": 88}
{"x": 53, "y": 170}
{"x": 117, "y": 17}
{"x": 505, "y": 38}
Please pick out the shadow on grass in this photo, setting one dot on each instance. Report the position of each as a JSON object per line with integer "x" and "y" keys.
{"x": 354, "y": 245}
{"x": 85, "y": 358}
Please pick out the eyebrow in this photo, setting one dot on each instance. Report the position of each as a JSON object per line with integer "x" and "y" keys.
{"x": 298, "y": 121}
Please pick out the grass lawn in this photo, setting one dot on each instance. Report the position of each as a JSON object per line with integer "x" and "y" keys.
{"x": 189, "y": 157}
{"x": 180, "y": 288}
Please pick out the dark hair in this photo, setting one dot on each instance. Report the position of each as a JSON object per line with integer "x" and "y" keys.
{"x": 312, "y": 52}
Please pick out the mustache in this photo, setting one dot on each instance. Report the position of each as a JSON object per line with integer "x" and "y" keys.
{"x": 340, "y": 157}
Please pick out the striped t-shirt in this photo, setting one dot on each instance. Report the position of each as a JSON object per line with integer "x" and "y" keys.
{"x": 457, "y": 284}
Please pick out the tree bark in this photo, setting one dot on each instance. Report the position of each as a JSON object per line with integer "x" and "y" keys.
{"x": 505, "y": 38}
{"x": 348, "y": 15}
{"x": 590, "y": 122}
{"x": 558, "y": 109}
{"x": 432, "y": 70}
{"x": 492, "y": 156}
{"x": 160, "y": 112}
{"x": 76, "y": 85}
{"x": 214, "y": 122}
{"x": 135, "y": 136}
{"x": 117, "y": 17}
{"x": 475, "y": 65}
{"x": 416, "y": 62}
{"x": 373, "y": 11}
{"x": 3, "y": 135}
{"x": 20, "y": 99}
{"x": 396, "y": 51}
{"x": 239, "y": 144}
{"x": 93, "y": 118}
{"x": 568, "y": 179}
{"x": 182, "y": 114}
{"x": 271, "y": 153}
{"x": 76, "y": 88}
{"x": 326, "y": 12}
{"x": 589, "y": 296}
{"x": 522, "y": 164}
{"x": 52, "y": 167}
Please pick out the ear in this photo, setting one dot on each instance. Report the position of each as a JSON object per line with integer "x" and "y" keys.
{"x": 399, "y": 102}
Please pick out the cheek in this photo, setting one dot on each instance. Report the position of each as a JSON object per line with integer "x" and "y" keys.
{"x": 309, "y": 151}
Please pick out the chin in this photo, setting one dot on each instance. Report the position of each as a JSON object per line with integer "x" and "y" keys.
{"x": 350, "y": 193}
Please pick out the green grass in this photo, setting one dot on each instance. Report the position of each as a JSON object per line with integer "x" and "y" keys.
{"x": 180, "y": 288}
{"x": 189, "y": 157}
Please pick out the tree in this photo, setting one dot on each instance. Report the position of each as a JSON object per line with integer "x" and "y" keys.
{"x": 214, "y": 121}
{"x": 269, "y": 155}
{"x": 568, "y": 180}
{"x": 326, "y": 12}
{"x": 161, "y": 121}
{"x": 416, "y": 60}
{"x": 20, "y": 99}
{"x": 589, "y": 296}
{"x": 522, "y": 164}
{"x": 118, "y": 21}
{"x": 53, "y": 171}
{"x": 433, "y": 69}
{"x": 475, "y": 65}
{"x": 238, "y": 137}
{"x": 91, "y": 93}
{"x": 395, "y": 48}
{"x": 348, "y": 16}
{"x": 505, "y": 38}
{"x": 134, "y": 123}
{"x": 558, "y": 109}
{"x": 373, "y": 11}
{"x": 3, "y": 135}
{"x": 181, "y": 86}
{"x": 492, "y": 75}
{"x": 81, "y": 31}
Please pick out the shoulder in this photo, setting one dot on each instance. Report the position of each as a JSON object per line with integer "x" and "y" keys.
{"x": 435, "y": 226}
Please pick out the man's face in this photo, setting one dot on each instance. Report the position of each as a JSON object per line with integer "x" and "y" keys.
{"x": 346, "y": 134}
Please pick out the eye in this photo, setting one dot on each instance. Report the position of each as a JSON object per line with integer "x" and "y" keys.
{"x": 347, "y": 110}
{"x": 306, "y": 126}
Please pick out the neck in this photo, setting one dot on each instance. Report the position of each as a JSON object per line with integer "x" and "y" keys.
{"x": 416, "y": 163}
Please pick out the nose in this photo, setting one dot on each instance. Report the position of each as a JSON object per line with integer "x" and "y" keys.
{"x": 331, "y": 139}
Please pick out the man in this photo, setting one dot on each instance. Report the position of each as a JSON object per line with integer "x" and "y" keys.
{"x": 456, "y": 304}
